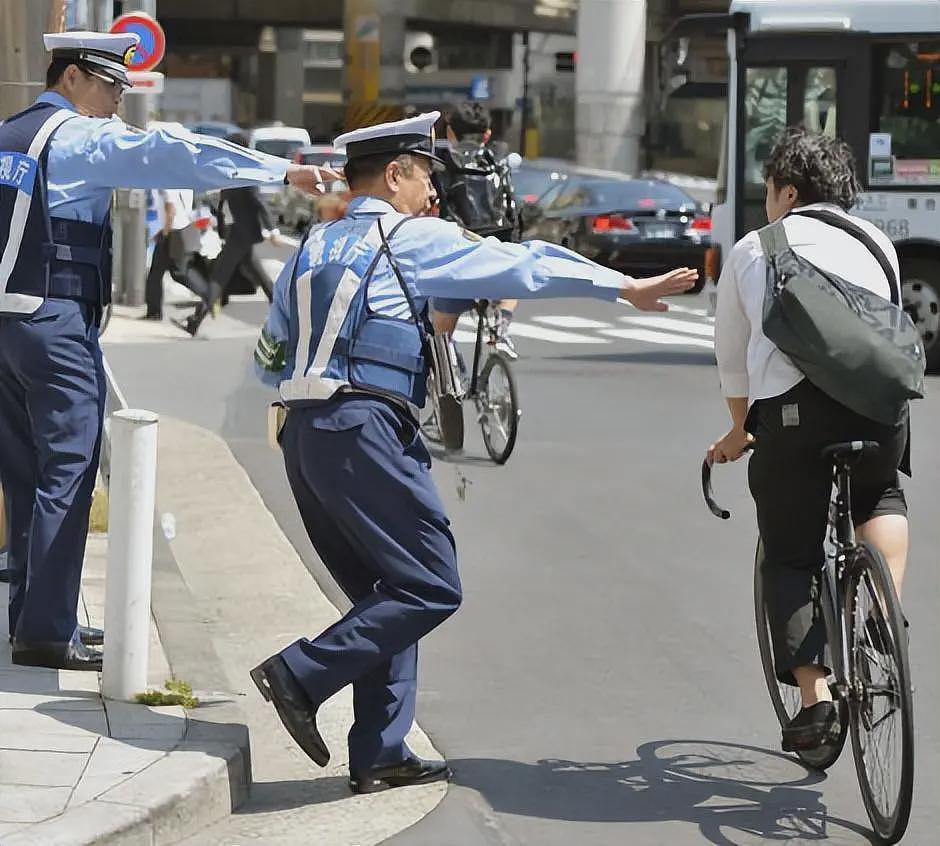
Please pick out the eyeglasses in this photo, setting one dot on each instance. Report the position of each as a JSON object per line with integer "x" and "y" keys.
{"x": 113, "y": 84}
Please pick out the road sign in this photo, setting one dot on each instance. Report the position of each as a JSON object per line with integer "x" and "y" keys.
{"x": 145, "y": 82}
{"x": 152, "y": 46}
{"x": 480, "y": 88}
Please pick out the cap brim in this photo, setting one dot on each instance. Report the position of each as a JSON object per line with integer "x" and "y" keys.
{"x": 436, "y": 163}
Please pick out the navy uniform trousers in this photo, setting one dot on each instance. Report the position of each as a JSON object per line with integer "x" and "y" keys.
{"x": 52, "y": 396}
{"x": 361, "y": 478}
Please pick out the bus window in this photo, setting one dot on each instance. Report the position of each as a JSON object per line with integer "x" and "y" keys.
{"x": 765, "y": 104}
{"x": 819, "y": 101}
{"x": 907, "y": 107}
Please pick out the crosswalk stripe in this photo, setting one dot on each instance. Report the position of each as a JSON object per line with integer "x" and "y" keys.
{"x": 541, "y": 333}
{"x": 651, "y": 336}
{"x": 570, "y": 321}
{"x": 671, "y": 324}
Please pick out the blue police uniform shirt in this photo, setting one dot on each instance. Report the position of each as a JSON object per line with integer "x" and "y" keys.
{"x": 439, "y": 259}
{"x": 89, "y": 157}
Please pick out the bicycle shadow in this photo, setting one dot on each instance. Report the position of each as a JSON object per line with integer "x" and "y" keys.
{"x": 725, "y": 789}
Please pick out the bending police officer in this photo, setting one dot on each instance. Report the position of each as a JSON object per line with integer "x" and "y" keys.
{"x": 59, "y": 161}
{"x": 345, "y": 344}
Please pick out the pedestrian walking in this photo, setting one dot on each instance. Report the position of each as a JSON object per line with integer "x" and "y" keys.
{"x": 250, "y": 225}
{"x": 176, "y": 247}
{"x": 345, "y": 342}
{"x": 60, "y": 159}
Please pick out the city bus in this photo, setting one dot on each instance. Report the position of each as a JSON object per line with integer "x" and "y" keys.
{"x": 865, "y": 70}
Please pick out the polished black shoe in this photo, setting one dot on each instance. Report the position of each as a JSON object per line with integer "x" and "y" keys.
{"x": 403, "y": 774}
{"x": 91, "y": 636}
{"x": 812, "y": 727}
{"x": 57, "y": 656}
{"x": 189, "y": 325}
{"x": 277, "y": 685}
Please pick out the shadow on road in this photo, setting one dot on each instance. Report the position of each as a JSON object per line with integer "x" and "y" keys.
{"x": 702, "y": 359}
{"x": 735, "y": 794}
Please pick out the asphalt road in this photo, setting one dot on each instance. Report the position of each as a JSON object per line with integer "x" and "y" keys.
{"x": 600, "y": 684}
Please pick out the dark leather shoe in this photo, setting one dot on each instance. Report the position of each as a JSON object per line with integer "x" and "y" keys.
{"x": 190, "y": 326}
{"x": 91, "y": 636}
{"x": 410, "y": 771}
{"x": 57, "y": 656}
{"x": 277, "y": 685}
{"x": 812, "y": 727}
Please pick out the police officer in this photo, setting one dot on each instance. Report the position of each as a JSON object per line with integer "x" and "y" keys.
{"x": 59, "y": 161}
{"x": 345, "y": 343}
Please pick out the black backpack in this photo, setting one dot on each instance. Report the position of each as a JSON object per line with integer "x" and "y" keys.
{"x": 475, "y": 190}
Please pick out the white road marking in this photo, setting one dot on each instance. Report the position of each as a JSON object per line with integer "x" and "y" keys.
{"x": 671, "y": 324}
{"x": 650, "y": 336}
{"x": 570, "y": 321}
{"x": 540, "y": 333}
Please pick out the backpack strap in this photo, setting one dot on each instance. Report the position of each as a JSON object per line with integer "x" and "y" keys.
{"x": 773, "y": 240}
{"x": 840, "y": 222}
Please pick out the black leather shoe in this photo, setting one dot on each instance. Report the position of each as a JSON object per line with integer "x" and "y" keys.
{"x": 812, "y": 727}
{"x": 410, "y": 771}
{"x": 277, "y": 685}
{"x": 190, "y": 326}
{"x": 57, "y": 656}
{"x": 91, "y": 636}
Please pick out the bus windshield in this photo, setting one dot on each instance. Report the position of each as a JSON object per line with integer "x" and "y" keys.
{"x": 907, "y": 112}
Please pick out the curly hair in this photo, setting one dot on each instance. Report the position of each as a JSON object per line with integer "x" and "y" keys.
{"x": 822, "y": 169}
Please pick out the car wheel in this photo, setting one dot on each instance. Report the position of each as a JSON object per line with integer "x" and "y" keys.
{"x": 920, "y": 291}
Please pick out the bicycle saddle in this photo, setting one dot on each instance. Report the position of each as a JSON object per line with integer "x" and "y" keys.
{"x": 846, "y": 451}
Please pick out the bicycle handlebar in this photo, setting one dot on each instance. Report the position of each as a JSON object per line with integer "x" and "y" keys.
{"x": 714, "y": 507}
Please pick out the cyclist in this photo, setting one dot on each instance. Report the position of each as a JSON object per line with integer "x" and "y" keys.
{"x": 475, "y": 190}
{"x": 789, "y": 421}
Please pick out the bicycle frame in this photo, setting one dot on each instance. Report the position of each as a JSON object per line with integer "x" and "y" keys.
{"x": 481, "y": 308}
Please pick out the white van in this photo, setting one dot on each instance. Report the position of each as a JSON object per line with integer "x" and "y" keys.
{"x": 282, "y": 141}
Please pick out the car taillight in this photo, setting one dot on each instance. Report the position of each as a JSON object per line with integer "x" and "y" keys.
{"x": 530, "y": 198}
{"x": 701, "y": 224}
{"x": 202, "y": 223}
{"x": 611, "y": 223}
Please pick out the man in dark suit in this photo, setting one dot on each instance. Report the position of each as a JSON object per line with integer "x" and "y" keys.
{"x": 251, "y": 224}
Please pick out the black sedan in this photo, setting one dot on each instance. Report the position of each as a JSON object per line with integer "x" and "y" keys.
{"x": 641, "y": 227}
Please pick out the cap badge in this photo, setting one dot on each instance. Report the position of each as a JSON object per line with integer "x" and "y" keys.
{"x": 129, "y": 55}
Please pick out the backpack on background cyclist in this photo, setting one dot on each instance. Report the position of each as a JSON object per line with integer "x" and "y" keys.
{"x": 475, "y": 191}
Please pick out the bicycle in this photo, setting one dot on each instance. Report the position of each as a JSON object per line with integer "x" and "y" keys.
{"x": 492, "y": 390}
{"x": 870, "y": 677}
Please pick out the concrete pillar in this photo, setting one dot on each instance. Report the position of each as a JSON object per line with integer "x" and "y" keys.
{"x": 23, "y": 59}
{"x": 289, "y": 76}
{"x": 374, "y": 74}
{"x": 609, "y": 83}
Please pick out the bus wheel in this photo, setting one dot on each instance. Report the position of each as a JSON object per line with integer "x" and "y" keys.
{"x": 920, "y": 288}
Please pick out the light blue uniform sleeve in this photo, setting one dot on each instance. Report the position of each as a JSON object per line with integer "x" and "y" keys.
{"x": 442, "y": 260}
{"x": 270, "y": 352}
{"x": 96, "y": 153}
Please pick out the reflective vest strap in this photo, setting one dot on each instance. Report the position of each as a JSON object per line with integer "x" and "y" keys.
{"x": 22, "y": 204}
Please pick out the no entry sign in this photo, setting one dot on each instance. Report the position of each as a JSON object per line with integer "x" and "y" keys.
{"x": 152, "y": 46}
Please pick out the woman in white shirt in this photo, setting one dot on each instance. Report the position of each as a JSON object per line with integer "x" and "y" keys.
{"x": 789, "y": 421}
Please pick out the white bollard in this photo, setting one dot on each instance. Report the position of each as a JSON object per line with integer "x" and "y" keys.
{"x": 131, "y": 504}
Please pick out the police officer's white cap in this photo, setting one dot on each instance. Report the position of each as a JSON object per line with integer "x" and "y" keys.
{"x": 102, "y": 52}
{"x": 412, "y": 135}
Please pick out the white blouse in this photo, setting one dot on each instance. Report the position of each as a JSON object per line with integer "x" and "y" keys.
{"x": 749, "y": 364}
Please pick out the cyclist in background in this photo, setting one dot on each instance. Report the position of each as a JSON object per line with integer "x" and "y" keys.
{"x": 475, "y": 191}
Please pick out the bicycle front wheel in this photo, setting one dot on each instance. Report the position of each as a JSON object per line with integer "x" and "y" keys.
{"x": 785, "y": 698}
{"x": 498, "y": 406}
{"x": 882, "y": 705}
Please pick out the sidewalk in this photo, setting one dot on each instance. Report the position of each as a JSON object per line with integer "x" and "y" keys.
{"x": 75, "y": 769}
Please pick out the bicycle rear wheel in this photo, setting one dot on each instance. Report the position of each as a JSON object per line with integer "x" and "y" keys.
{"x": 498, "y": 407}
{"x": 882, "y": 707}
{"x": 785, "y": 698}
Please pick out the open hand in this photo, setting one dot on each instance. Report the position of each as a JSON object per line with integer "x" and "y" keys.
{"x": 312, "y": 179}
{"x": 646, "y": 293}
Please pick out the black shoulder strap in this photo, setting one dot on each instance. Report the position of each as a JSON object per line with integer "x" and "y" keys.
{"x": 856, "y": 231}
{"x": 386, "y": 248}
